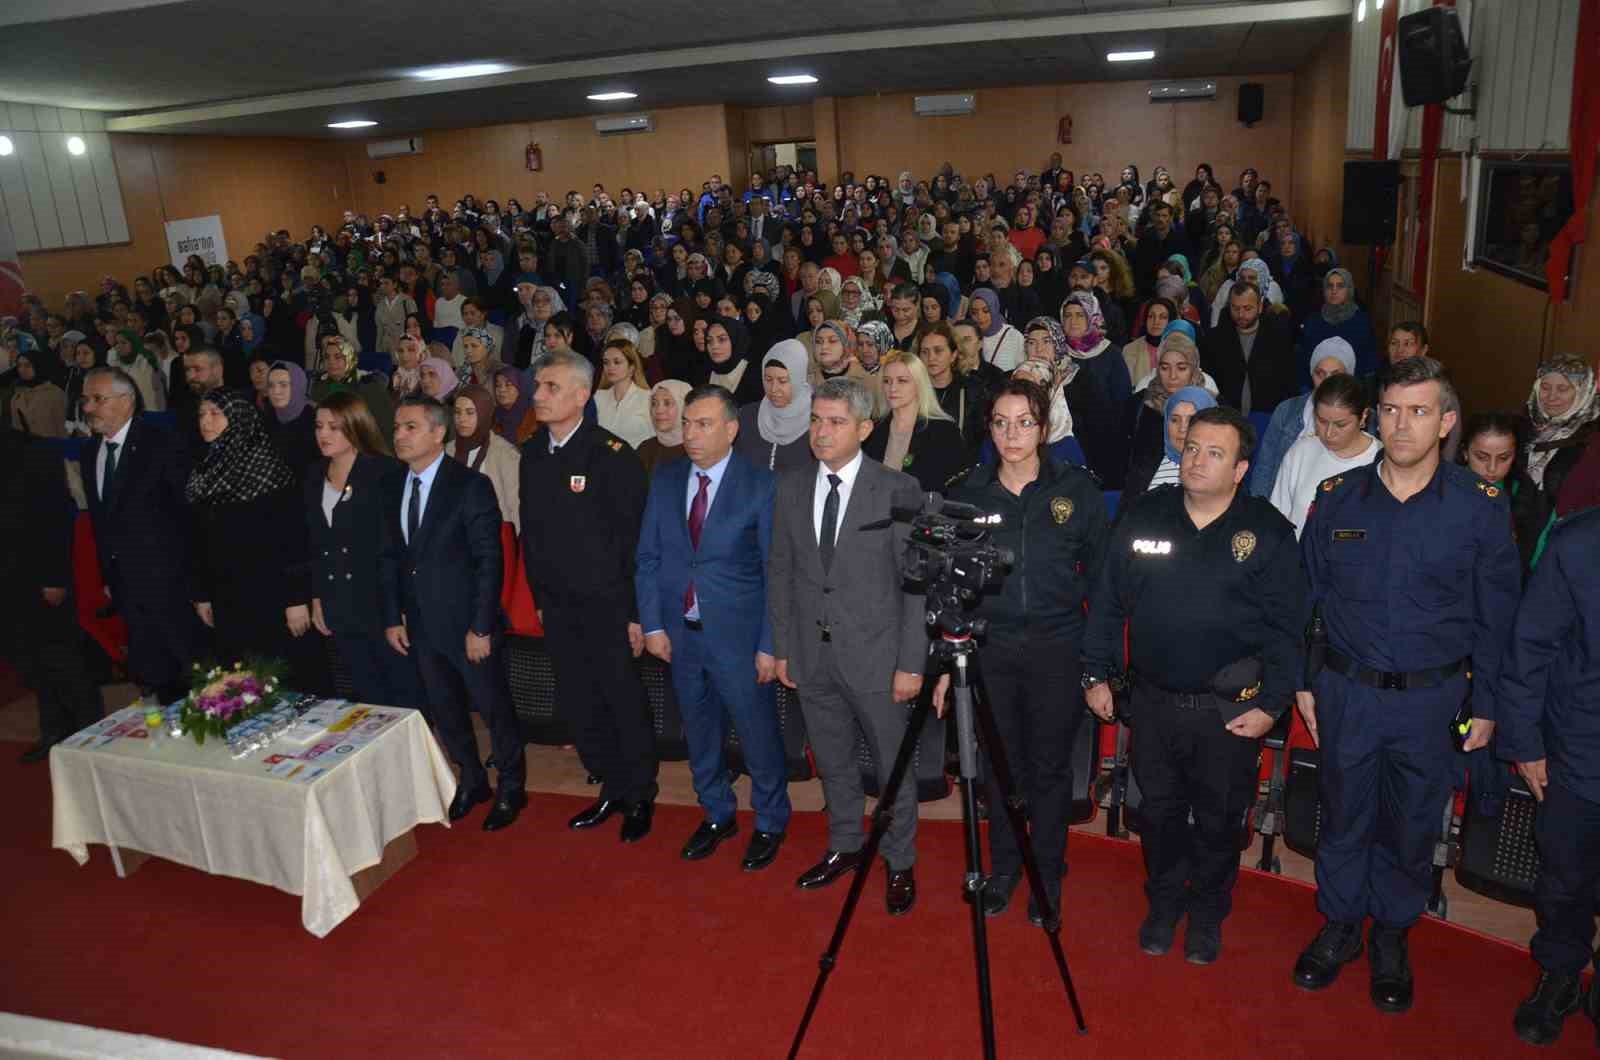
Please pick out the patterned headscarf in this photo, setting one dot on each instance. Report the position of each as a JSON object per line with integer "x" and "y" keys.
{"x": 762, "y": 282}
{"x": 241, "y": 464}
{"x": 1550, "y": 432}
{"x": 880, "y": 335}
{"x": 1086, "y": 301}
{"x": 483, "y": 335}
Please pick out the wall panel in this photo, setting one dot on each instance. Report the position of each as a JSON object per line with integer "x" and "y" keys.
{"x": 53, "y": 198}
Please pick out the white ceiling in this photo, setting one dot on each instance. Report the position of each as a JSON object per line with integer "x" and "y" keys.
{"x": 287, "y": 67}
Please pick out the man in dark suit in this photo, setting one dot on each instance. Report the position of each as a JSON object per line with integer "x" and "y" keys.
{"x": 702, "y": 588}
{"x": 764, "y": 227}
{"x": 134, "y": 472}
{"x": 439, "y": 570}
{"x": 845, "y": 631}
{"x": 1251, "y": 355}
{"x": 582, "y": 497}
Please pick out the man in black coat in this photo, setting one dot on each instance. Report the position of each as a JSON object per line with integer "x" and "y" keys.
{"x": 134, "y": 473}
{"x": 439, "y": 572}
{"x": 39, "y": 631}
{"x": 1156, "y": 244}
{"x": 1251, "y": 355}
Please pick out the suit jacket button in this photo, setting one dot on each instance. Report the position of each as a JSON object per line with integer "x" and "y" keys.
{"x": 347, "y": 577}
{"x": 330, "y": 577}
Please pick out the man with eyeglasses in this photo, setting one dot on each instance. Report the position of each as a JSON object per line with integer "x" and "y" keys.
{"x": 1208, "y": 581}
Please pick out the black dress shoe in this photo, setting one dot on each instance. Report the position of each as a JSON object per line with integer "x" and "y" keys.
{"x": 1391, "y": 969}
{"x": 761, "y": 852}
{"x": 465, "y": 800}
{"x": 505, "y": 811}
{"x": 1335, "y": 946}
{"x": 1157, "y": 931}
{"x": 997, "y": 894}
{"x": 707, "y": 838}
{"x": 833, "y": 865}
{"x": 1036, "y": 914}
{"x": 902, "y": 892}
{"x": 596, "y": 813}
{"x": 636, "y": 820}
{"x": 1555, "y": 997}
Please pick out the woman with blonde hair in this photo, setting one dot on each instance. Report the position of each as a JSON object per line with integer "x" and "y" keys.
{"x": 622, "y": 395}
{"x": 916, "y": 435}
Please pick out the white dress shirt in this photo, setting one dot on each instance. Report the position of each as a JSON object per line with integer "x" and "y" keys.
{"x": 426, "y": 475}
{"x": 120, "y": 440}
{"x": 557, "y": 443}
{"x": 819, "y": 496}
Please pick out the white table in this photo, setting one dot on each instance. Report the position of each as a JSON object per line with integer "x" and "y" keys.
{"x": 328, "y": 822}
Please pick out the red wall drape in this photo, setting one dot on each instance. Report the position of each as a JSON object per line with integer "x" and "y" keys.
{"x": 1584, "y": 136}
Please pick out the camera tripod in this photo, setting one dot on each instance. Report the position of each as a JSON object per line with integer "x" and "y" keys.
{"x": 954, "y": 654}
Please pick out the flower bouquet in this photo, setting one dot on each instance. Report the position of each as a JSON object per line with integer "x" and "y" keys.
{"x": 220, "y": 699}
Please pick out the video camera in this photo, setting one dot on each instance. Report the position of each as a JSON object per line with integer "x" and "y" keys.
{"x": 950, "y": 551}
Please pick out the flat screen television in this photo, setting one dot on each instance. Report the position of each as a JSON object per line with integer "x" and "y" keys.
{"x": 1521, "y": 207}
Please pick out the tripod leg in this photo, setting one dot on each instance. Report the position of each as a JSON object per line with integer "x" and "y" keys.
{"x": 976, "y": 881}
{"x": 881, "y": 817}
{"x": 1019, "y": 826}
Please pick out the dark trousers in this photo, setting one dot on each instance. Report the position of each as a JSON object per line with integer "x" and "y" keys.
{"x": 1387, "y": 770}
{"x": 451, "y": 686}
{"x": 45, "y": 644}
{"x": 1037, "y": 700}
{"x": 165, "y": 638}
{"x": 600, "y": 695}
{"x": 713, "y": 684}
{"x": 1568, "y": 833}
{"x": 834, "y": 712}
{"x": 378, "y": 675}
{"x": 1188, "y": 763}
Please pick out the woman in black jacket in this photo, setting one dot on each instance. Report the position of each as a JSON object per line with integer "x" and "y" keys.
{"x": 292, "y": 425}
{"x": 1053, "y": 520}
{"x": 344, "y": 518}
{"x": 916, "y": 436}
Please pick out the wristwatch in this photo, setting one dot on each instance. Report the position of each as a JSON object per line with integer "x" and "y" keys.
{"x": 1089, "y": 680}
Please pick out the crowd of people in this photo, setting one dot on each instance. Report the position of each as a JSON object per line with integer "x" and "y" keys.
{"x": 671, "y": 421}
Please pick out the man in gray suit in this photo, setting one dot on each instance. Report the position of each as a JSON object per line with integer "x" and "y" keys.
{"x": 844, "y": 630}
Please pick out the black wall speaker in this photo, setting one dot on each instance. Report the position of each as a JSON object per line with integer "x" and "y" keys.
{"x": 1371, "y": 198}
{"x": 1252, "y": 102}
{"x": 1434, "y": 64}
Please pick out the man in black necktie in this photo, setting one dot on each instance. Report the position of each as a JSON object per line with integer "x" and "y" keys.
{"x": 439, "y": 571}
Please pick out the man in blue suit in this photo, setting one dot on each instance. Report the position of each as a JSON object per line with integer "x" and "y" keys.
{"x": 701, "y": 581}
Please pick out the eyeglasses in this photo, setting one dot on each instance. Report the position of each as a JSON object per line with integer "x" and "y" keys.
{"x": 1018, "y": 426}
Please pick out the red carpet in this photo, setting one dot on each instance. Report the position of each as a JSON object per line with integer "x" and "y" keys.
{"x": 544, "y": 943}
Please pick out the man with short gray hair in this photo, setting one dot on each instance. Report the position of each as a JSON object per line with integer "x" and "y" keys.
{"x": 845, "y": 631}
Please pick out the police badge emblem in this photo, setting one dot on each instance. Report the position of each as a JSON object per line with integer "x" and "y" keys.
{"x": 1061, "y": 508}
{"x": 1244, "y": 543}
{"x": 577, "y": 483}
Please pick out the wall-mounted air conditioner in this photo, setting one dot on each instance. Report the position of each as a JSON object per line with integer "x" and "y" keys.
{"x": 938, "y": 106}
{"x": 1182, "y": 91}
{"x": 394, "y": 148}
{"x": 624, "y": 124}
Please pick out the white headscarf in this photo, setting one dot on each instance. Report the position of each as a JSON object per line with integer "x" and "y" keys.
{"x": 679, "y": 390}
{"x": 782, "y": 426}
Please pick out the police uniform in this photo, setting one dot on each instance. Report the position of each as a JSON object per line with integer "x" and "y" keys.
{"x": 1413, "y": 596}
{"x": 1197, "y": 601}
{"x": 581, "y": 507}
{"x": 1549, "y": 711}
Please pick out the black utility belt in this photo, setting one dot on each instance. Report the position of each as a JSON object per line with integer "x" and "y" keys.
{"x": 1183, "y": 700}
{"x": 1345, "y": 666}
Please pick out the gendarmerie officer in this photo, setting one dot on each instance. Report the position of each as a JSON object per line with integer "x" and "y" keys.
{"x": 1054, "y": 522}
{"x": 1549, "y": 725}
{"x": 582, "y": 493}
{"x": 1415, "y": 576}
{"x": 1208, "y": 579}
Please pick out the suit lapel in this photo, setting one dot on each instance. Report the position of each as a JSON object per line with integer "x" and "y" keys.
{"x": 126, "y": 463}
{"x": 861, "y": 495}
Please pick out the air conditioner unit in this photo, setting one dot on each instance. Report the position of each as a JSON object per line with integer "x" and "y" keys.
{"x": 938, "y": 106}
{"x": 394, "y": 148}
{"x": 1182, "y": 91}
{"x": 624, "y": 124}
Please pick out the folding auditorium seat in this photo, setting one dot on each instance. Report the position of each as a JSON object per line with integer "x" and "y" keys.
{"x": 1498, "y": 856}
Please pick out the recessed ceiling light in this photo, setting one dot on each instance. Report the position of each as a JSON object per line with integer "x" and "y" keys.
{"x": 355, "y": 123}
{"x": 793, "y": 79}
{"x": 76, "y": 146}
{"x": 608, "y": 97}
{"x": 446, "y": 73}
{"x": 1129, "y": 57}
{"x": 6, "y": 146}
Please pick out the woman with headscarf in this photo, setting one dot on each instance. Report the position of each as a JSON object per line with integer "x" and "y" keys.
{"x": 1339, "y": 317}
{"x": 513, "y": 404}
{"x": 1087, "y": 343}
{"x": 773, "y": 431}
{"x": 38, "y": 403}
{"x": 817, "y": 309}
{"x": 342, "y": 374}
{"x": 438, "y": 378}
{"x": 249, "y": 541}
{"x": 766, "y": 322}
{"x": 1294, "y": 417}
{"x": 874, "y": 340}
{"x": 1562, "y": 410}
{"x": 675, "y": 346}
{"x": 1177, "y": 366}
{"x": 81, "y": 357}
{"x": 129, "y": 354}
{"x": 407, "y": 376}
{"x": 292, "y": 426}
{"x": 857, "y": 301}
{"x": 1001, "y": 343}
{"x": 732, "y": 364}
{"x": 655, "y": 318}
{"x": 478, "y": 362}
{"x": 1049, "y": 279}
{"x": 666, "y": 418}
{"x": 479, "y": 447}
{"x": 640, "y": 289}
{"x": 1179, "y": 409}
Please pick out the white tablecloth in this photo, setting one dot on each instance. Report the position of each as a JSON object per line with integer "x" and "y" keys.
{"x": 303, "y": 820}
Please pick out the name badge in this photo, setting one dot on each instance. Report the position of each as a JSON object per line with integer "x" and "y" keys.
{"x": 577, "y": 483}
{"x": 1349, "y": 535}
{"x": 1143, "y": 547}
